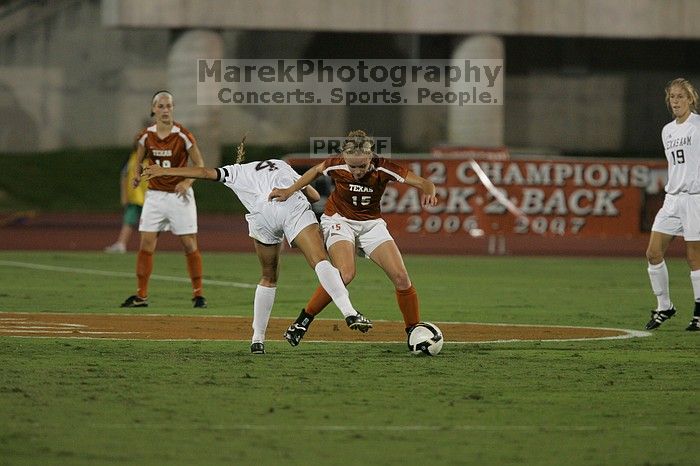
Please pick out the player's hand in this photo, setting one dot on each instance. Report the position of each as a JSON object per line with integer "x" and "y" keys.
{"x": 153, "y": 171}
{"x": 182, "y": 188}
{"x": 428, "y": 200}
{"x": 279, "y": 194}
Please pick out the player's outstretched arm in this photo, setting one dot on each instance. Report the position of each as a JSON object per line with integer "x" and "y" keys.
{"x": 204, "y": 173}
{"x": 429, "y": 197}
{"x": 282, "y": 194}
{"x": 311, "y": 194}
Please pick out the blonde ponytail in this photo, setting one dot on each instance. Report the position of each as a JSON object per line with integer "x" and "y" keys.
{"x": 240, "y": 150}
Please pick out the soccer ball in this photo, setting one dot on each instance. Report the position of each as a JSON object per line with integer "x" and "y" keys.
{"x": 425, "y": 338}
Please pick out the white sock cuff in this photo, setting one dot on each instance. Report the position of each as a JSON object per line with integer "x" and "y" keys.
{"x": 323, "y": 265}
{"x": 658, "y": 266}
{"x": 695, "y": 274}
{"x": 268, "y": 290}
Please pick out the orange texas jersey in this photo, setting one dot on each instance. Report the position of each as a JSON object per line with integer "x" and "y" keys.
{"x": 360, "y": 199}
{"x": 172, "y": 151}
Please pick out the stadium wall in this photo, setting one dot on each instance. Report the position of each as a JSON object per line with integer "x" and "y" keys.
{"x": 561, "y": 90}
{"x": 229, "y": 233}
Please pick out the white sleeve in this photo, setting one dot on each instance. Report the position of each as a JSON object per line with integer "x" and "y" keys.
{"x": 226, "y": 174}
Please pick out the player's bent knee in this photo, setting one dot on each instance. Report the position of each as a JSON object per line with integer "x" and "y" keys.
{"x": 654, "y": 257}
{"x": 347, "y": 275}
{"x": 401, "y": 282}
{"x": 693, "y": 261}
{"x": 316, "y": 257}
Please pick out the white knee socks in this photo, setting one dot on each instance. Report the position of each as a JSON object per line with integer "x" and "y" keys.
{"x": 333, "y": 284}
{"x": 658, "y": 275}
{"x": 695, "y": 280}
{"x": 262, "y": 307}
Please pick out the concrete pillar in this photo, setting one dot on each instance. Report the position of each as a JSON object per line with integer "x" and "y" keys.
{"x": 203, "y": 120}
{"x": 476, "y": 125}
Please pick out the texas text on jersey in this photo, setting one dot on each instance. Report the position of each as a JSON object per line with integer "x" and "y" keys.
{"x": 360, "y": 199}
{"x": 170, "y": 151}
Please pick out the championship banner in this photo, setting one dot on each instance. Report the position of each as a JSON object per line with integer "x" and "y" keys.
{"x": 552, "y": 197}
{"x": 548, "y": 198}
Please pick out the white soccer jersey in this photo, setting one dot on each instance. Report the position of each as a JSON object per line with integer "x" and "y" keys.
{"x": 252, "y": 182}
{"x": 682, "y": 146}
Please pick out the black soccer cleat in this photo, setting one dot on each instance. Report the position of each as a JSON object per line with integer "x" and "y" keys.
{"x": 295, "y": 333}
{"x": 694, "y": 325}
{"x": 359, "y": 322}
{"x": 298, "y": 329}
{"x": 199, "y": 301}
{"x": 135, "y": 301}
{"x": 257, "y": 348}
{"x": 659, "y": 317}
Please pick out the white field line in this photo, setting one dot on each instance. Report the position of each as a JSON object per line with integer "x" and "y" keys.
{"x": 109, "y": 273}
{"x": 404, "y": 428}
{"x": 373, "y": 342}
{"x": 37, "y": 327}
{"x": 56, "y": 331}
{"x": 8, "y": 325}
{"x": 628, "y": 334}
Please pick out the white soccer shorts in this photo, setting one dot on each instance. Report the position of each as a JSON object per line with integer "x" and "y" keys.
{"x": 366, "y": 235}
{"x": 679, "y": 216}
{"x": 164, "y": 211}
{"x": 272, "y": 221}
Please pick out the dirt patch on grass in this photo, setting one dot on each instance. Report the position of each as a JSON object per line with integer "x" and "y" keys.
{"x": 164, "y": 327}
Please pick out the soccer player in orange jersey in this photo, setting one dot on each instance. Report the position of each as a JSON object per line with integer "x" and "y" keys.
{"x": 352, "y": 221}
{"x": 169, "y": 202}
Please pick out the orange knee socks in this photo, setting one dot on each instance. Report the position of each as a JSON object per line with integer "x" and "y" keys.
{"x": 408, "y": 304}
{"x": 194, "y": 267}
{"x": 144, "y": 267}
{"x": 407, "y": 300}
{"x": 319, "y": 300}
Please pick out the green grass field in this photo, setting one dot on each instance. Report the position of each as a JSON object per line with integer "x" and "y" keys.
{"x": 103, "y": 402}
